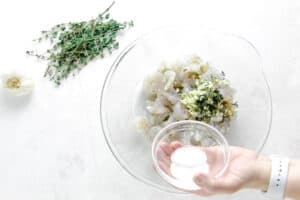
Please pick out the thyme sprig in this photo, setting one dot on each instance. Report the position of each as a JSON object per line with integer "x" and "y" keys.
{"x": 75, "y": 44}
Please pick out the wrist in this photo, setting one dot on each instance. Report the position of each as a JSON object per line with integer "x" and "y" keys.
{"x": 262, "y": 172}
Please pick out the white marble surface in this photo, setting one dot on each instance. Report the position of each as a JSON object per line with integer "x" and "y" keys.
{"x": 51, "y": 145}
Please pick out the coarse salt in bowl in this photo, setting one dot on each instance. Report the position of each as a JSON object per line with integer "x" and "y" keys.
{"x": 185, "y": 148}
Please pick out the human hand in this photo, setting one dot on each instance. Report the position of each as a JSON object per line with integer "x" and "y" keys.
{"x": 164, "y": 153}
{"x": 246, "y": 169}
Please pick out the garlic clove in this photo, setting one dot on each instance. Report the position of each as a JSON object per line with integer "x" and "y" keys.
{"x": 16, "y": 84}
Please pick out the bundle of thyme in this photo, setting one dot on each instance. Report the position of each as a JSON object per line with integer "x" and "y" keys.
{"x": 74, "y": 44}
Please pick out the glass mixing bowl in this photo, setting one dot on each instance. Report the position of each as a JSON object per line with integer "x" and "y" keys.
{"x": 183, "y": 149}
{"x": 122, "y": 99}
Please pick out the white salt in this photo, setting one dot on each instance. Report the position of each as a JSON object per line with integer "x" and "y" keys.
{"x": 185, "y": 163}
{"x": 188, "y": 156}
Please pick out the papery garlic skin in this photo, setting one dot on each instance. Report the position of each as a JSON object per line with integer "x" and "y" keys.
{"x": 17, "y": 84}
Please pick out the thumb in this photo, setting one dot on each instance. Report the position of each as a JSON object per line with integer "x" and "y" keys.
{"x": 206, "y": 182}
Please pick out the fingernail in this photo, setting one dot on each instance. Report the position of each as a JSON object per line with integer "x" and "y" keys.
{"x": 198, "y": 180}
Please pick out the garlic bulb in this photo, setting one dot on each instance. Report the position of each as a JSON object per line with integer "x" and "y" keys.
{"x": 17, "y": 84}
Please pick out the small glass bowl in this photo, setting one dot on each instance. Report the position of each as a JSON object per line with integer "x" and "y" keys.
{"x": 191, "y": 134}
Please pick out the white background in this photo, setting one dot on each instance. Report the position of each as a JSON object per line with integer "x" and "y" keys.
{"x": 51, "y": 145}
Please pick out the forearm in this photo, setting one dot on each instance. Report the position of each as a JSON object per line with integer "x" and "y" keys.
{"x": 263, "y": 172}
{"x": 293, "y": 184}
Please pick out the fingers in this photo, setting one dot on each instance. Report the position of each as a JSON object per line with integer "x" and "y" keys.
{"x": 164, "y": 166}
{"x": 166, "y": 148}
{"x": 213, "y": 185}
{"x": 208, "y": 185}
{"x": 169, "y": 148}
{"x": 163, "y": 160}
{"x": 175, "y": 145}
{"x": 215, "y": 158}
{"x": 202, "y": 180}
{"x": 202, "y": 192}
{"x": 162, "y": 156}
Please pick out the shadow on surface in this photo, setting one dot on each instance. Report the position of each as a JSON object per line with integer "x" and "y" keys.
{"x": 14, "y": 102}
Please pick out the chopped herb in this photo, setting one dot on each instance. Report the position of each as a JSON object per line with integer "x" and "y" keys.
{"x": 205, "y": 102}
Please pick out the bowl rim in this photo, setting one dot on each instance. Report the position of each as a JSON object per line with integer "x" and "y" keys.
{"x": 126, "y": 50}
{"x": 188, "y": 122}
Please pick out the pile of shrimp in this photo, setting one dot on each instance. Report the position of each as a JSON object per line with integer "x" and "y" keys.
{"x": 163, "y": 88}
